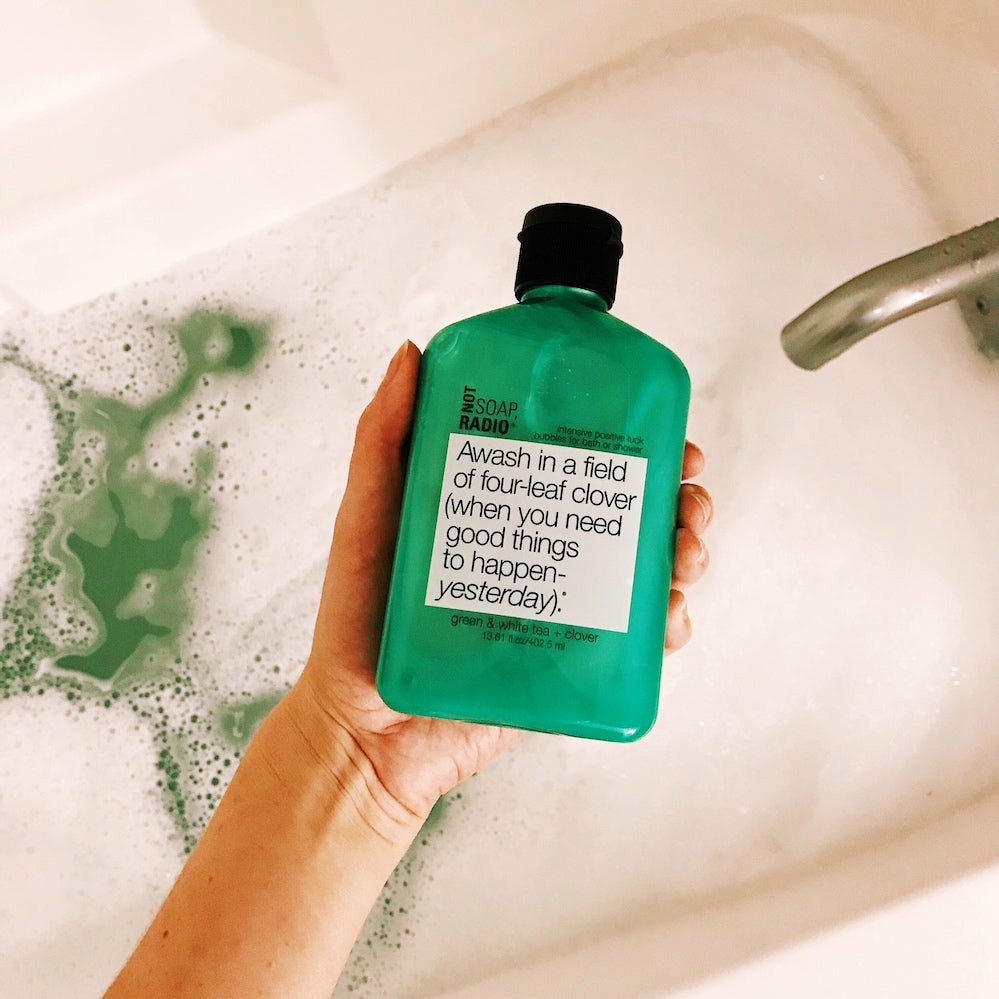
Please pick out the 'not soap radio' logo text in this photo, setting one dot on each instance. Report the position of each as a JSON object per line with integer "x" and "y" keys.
{"x": 490, "y": 416}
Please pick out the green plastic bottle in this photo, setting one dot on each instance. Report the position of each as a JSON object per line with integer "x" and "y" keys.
{"x": 535, "y": 549}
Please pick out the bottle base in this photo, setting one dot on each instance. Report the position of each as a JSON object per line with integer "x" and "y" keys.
{"x": 576, "y": 728}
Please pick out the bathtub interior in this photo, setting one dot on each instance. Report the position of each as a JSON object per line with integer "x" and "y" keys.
{"x": 835, "y": 706}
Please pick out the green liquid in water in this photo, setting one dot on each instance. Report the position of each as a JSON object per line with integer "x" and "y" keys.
{"x": 133, "y": 534}
{"x": 110, "y": 573}
{"x": 97, "y": 610}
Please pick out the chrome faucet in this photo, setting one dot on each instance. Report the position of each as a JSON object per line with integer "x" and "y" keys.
{"x": 964, "y": 267}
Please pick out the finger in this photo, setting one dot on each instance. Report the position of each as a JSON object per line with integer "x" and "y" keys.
{"x": 678, "y": 628}
{"x": 691, "y": 559}
{"x": 693, "y": 461}
{"x": 359, "y": 567}
{"x": 695, "y": 508}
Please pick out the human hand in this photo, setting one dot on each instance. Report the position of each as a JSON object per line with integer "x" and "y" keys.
{"x": 694, "y": 513}
{"x": 416, "y": 759}
{"x": 334, "y": 785}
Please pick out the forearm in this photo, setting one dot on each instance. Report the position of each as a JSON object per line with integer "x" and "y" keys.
{"x": 273, "y": 896}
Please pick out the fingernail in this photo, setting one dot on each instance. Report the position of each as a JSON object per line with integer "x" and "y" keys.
{"x": 705, "y": 506}
{"x": 396, "y": 362}
{"x": 703, "y": 553}
{"x": 682, "y": 610}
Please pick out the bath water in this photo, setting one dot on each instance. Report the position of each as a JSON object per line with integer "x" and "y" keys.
{"x": 102, "y": 595}
{"x": 838, "y": 683}
{"x": 133, "y": 535}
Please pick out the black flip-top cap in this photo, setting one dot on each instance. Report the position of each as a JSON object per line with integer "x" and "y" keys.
{"x": 573, "y": 245}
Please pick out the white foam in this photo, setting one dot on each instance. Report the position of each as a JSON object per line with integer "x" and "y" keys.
{"x": 86, "y": 854}
{"x": 840, "y": 681}
{"x": 27, "y": 453}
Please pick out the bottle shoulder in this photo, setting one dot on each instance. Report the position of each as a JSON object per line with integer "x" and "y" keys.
{"x": 551, "y": 326}
{"x": 648, "y": 351}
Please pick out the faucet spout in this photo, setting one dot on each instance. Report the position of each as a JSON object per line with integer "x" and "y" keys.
{"x": 964, "y": 267}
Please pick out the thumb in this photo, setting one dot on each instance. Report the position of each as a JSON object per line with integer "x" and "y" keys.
{"x": 360, "y": 562}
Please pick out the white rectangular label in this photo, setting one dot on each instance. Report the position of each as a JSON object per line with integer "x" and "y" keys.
{"x": 537, "y": 531}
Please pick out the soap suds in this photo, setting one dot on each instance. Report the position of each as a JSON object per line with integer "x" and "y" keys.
{"x": 839, "y": 681}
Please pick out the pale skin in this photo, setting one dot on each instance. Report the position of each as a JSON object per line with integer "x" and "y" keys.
{"x": 335, "y": 785}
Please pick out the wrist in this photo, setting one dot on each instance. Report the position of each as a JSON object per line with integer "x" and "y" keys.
{"x": 272, "y": 898}
{"x": 307, "y": 748}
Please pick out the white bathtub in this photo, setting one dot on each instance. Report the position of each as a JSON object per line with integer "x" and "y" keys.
{"x": 815, "y": 812}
